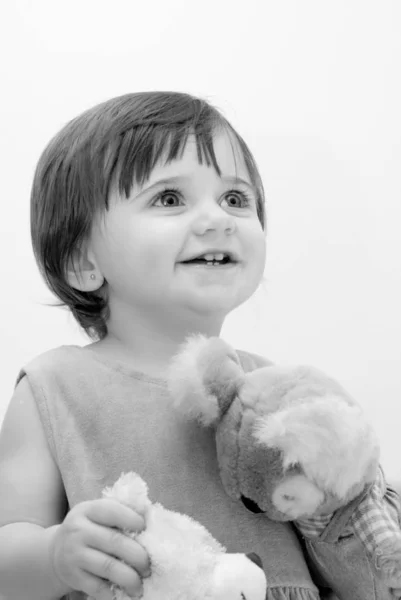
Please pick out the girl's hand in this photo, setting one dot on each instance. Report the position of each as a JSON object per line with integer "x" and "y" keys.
{"x": 88, "y": 549}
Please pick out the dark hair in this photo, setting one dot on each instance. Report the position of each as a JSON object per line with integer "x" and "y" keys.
{"x": 112, "y": 143}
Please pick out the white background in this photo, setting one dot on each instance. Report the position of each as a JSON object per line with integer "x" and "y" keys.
{"x": 313, "y": 87}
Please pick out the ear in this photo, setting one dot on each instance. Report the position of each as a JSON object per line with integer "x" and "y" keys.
{"x": 83, "y": 273}
{"x": 328, "y": 437}
{"x": 131, "y": 490}
{"x": 204, "y": 378}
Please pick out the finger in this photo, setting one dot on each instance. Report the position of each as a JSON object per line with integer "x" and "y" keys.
{"x": 111, "y": 513}
{"x": 95, "y": 587}
{"x": 107, "y": 567}
{"x": 114, "y": 543}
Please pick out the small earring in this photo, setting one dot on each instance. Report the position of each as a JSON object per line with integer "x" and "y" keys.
{"x": 93, "y": 276}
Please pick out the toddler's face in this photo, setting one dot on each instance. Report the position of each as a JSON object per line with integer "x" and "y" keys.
{"x": 142, "y": 243}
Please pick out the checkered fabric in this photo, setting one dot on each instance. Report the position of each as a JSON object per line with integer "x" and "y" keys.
{"x": 313, "y": 527}
{"x": 375, "y": 520}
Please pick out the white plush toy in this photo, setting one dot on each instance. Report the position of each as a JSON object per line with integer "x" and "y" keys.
{"x": 187, "y": 563}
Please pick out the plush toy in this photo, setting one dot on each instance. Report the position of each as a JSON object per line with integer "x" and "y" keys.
{"x": 187, "y": 563}
{"x": 290, "y": 443}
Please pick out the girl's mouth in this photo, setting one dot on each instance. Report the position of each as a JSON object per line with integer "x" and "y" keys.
{"x": 208, "y": 263}
{"x": 211, "y": 260}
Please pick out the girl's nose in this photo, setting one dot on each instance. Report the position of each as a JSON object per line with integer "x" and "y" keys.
{"x": 214, "y": 219}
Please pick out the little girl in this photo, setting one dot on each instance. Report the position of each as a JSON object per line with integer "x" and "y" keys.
{"x": 147, "y": 222}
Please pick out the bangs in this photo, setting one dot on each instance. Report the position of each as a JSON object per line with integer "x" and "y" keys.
{"x": 140, "y": 149}
{"x": 132, "y": 160}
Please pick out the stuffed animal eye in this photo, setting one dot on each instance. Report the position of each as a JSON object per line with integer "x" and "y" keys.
{"x": 251, "y": 505}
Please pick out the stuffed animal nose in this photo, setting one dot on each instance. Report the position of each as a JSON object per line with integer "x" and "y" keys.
{"x": 250, "y": 505}
{"x": 255, "y": 558}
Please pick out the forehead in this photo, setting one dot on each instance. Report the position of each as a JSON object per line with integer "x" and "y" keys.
{"x": 228, "y": 154}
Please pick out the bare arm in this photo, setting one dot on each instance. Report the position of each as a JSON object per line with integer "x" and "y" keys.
{"x": 32, "y": 504}
{"x": 44, "y": 553}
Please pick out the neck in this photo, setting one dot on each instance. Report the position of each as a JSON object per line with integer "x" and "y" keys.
{"x": 149, "y": 342}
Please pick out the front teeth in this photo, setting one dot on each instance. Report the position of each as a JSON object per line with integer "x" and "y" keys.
{"x": 212, "y": 257}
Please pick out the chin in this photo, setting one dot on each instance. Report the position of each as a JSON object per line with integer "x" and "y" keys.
{"x": 218, "y": 304}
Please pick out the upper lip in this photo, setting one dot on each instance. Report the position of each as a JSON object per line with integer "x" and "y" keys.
{"x": 230, "y": 253}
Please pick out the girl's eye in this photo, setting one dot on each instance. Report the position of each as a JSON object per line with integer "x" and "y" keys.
{"x": 167, "y": 198}
{"x": 237, "y": 199}
{"x": 171, "y": 197}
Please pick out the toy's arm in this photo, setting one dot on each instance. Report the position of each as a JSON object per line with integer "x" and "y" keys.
{"x": 358, "y": 546}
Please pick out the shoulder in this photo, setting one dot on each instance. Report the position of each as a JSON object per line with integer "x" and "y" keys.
{"x": 250, "y": 361}
{"x": 53, "y": 362}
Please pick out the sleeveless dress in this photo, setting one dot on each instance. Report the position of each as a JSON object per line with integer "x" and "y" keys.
{"x": 102, "y": 418}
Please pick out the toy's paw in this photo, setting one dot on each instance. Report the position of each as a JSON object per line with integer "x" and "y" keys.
{"x": 203, "y": 378}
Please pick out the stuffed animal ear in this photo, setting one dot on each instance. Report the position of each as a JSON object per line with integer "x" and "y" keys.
{"x": 328, "y": 437}
{"x": 204, "y": 378}
{"x": 131, "y": 490}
